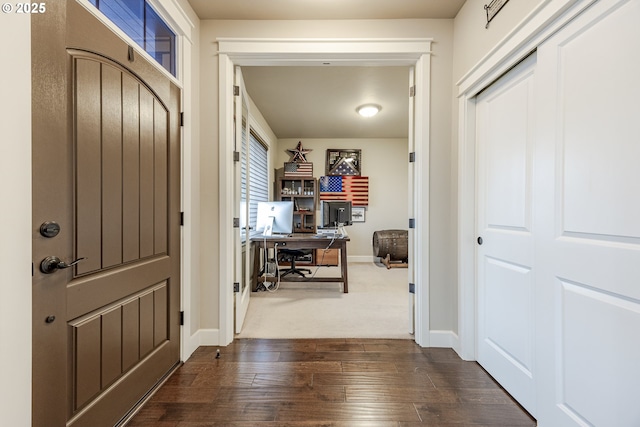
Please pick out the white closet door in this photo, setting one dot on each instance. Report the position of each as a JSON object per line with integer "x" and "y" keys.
{"x": 506, "y": 313}
{"x": 588, "y": 206}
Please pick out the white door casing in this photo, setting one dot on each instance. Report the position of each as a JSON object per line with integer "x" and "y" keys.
{"x": 349, "y": 52}
{"x": 411, "y": 170}
{"x": 504, "y": 124}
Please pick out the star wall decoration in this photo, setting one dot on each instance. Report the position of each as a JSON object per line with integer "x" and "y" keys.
{"x": 298, "y": 153}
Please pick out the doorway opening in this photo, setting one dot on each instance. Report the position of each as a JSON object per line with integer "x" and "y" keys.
{"x": 413, "y": 53}
{"x": 316, "y": 106}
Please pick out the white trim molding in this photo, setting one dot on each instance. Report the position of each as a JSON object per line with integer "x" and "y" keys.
{"x": 444, "y": 339}
{"x": 546, "y": 19}
{"x": 289, "y": 52}
{"x": 202, "y": 337}
{"x": 361, "y": 258}
{"x": 304, "y": 51}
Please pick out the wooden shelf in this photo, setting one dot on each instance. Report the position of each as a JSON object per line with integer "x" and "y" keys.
{"x": 303, "y": 193}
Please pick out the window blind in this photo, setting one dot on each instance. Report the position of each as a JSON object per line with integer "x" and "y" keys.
{"x": 258, "y": 175}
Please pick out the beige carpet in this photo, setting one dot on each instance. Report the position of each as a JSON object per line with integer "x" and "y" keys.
{"x": 377, "y": 306}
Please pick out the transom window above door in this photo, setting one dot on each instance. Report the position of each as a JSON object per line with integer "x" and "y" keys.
{"x": 143, "y": 24}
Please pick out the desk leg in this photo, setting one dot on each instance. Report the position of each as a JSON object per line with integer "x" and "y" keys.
{"x": 343, "y": 266}
{"x": 256, "y": 267}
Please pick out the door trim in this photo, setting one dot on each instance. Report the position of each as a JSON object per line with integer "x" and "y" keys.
{"x": 351, "y": 52}
{"x": 539, "y": 25}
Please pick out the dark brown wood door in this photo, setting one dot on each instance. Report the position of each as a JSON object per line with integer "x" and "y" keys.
{"x": 106, "y": 170}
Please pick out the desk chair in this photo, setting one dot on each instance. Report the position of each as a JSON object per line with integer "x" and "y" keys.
{"x": 290, "y": 255}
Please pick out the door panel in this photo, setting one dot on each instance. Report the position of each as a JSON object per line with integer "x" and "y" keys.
{"x": 131, "y": 192}
{"x": 505, "y": 258}
{"x": 241, "y": 208}
{"x": 590, "y": 249}
{"x": 113, "y": 320}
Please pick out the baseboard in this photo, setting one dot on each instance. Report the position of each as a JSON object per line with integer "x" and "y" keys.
{"x": 201, "y": 337}
{"x": 360, "y": 258}
{"x": 444, "y": 339}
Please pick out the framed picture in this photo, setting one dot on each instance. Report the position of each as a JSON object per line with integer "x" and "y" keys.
{"x": 344, "y": 162}
{"x": 358, "y": 214}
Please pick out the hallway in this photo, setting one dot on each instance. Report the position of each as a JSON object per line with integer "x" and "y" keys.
{"x": 329, "y": 382}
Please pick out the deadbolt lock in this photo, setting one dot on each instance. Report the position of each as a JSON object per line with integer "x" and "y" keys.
{"x": 50, "y": 229}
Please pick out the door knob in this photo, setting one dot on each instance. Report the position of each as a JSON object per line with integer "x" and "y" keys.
{"x": 53, "y": 263}
{"x": 480, "y": 240}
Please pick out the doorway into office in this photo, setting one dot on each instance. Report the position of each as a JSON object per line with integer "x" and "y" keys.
{"x": 413, "y": 53}
{"x": 316, "y": 107}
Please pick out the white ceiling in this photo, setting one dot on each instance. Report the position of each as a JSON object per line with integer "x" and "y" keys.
{"x": 321, "y": 101}
{"x": 326, "y": 9}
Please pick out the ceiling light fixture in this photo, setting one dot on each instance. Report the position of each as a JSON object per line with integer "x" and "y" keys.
{"x": 368, "y": 110}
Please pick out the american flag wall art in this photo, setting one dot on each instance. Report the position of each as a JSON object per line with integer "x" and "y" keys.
{"x": 298, "y": 170}
{"x": 345, "y": 188}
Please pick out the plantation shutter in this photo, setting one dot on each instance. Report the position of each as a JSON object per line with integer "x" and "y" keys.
{"x": 258, "y": 175}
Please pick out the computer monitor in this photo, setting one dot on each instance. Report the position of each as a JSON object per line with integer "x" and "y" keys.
{"x": 275, "y": 217}
{"x": 334, "y": 213}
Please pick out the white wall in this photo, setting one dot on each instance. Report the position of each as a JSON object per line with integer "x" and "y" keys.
{"x": 385, "y": 162}
{"x": 442, "y": 311}
{"x": 473, "y": 41}
{"x": 15, "y": 244}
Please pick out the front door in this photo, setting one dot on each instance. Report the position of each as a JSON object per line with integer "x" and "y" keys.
{"x": 106, "y": 188}
{"x": 506, "y": 315}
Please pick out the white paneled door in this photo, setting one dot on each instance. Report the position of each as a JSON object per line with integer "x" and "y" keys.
{"x": 242, "y": 277}
{"x": 504, "y": 125}
{"x": 588, "y": 244}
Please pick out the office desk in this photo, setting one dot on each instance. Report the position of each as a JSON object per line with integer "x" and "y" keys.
{"x": 301, "y": 241}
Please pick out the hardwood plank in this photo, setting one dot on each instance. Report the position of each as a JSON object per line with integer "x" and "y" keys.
{"x": 181, "y": 379}
{"x": 353, "y": 356}
{"x": 400, "y": 394}
{"x": 188, "y": 394}
{"x": 239, "y": 411}
{"x": 330, "y": 383}
{"x": 473, "y": 414}
{"x": 283, "y": 380}
{"x": 348, "y": 412}
{"x": 346, "y": 346}
{"x": 280, "y": 345}
{"x": 369, "y": 367}
{"x": 395, "y": 346}
{"x": 462, "y": 380}
{"x": 372, "y": 379}
{"x": 233, "y": 379}
{"x": 290, "y": 424}
{"x": 278, "y": 394}
{"x": 288, "y": 367}
{"x": 482, "y": 395}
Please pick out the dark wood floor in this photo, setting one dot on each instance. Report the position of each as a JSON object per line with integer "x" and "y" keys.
{"x": 341, "y": 383}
